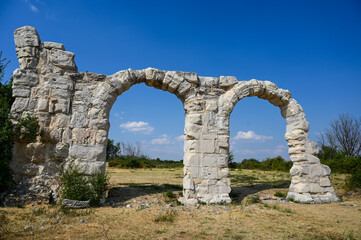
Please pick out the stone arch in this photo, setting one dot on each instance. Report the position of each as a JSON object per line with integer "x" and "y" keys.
{"x": 310, "y": 179}
{"x": 73, "y": 110}
{"x": 89, "y": 152}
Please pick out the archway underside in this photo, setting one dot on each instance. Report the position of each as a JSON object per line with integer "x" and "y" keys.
{"x": 73, "y": 110}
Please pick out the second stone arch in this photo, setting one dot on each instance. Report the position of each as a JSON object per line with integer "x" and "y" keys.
{"x": 206, "y": 153}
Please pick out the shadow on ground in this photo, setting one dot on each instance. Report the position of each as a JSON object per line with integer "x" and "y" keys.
{"x": 239, "y": 193}
{"x": 123, "y": 193}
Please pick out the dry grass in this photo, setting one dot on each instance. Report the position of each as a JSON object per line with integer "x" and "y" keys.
{"x": 163, "y": 219}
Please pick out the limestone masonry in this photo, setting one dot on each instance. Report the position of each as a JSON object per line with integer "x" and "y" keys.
{"x": 73, "y": 110}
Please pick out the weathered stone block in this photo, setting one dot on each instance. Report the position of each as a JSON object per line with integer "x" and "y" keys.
{"x": 20, "y": 104}
{"x": 27, "y": 52}
{"x": 26, "y": 36}
{"x": 191, "y": 77}
{"x": 192, "y": 159}
{"x": 206, "y": 146}
{"x": 210, "y": 160}
{"x": 188, "y": 182}
{"x": 59, "y": 82}
{"x": 227, "y": 81}
{"x": 28, "y": 62}
{"x": 21, "y": 92}
{"x": 208, "y": 81}
{"x": 299, "y": 135}
{"x": 325, "y": 182}
{"x": 176, "y": 81}
{"x": 183, "y": 88}
{"x": 62, "y": 106}
{"x": 293, "y": 108}
{"x": 223, "y": 173}
{"x": 51, "y": 45}
{"x": 211, "y": 106}
{"x": 62, "y": 59}
{"x": 25, "y": 77}
{"x": 60, "y": 93}
{"x": 75, "y": 204}
{"x": 300, "y": 188}
{"x": 192, "y": 131}
{"x": 43, "y": 105}
{"x": 79, "y": 120}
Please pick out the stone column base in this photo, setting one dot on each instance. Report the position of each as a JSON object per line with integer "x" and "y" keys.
{"x": 313, "y": 198}
{"x": 208, "y": 199}
{"x": 190, "y": 201}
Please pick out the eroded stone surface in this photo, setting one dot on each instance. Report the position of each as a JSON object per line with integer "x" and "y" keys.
{"x": 73, "y": 111}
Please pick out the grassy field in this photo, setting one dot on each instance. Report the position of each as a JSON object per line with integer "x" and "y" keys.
{"x": 143, "y": 206}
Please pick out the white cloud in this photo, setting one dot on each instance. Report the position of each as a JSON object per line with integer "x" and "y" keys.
{"x": 251, "y": 135}
{"x": 163, "y": 139}
{"x": 117, "y": 115}
{"x": 140, "y": 126}
{"x": 180, "y": 138}
{"x": 33, "y": 8}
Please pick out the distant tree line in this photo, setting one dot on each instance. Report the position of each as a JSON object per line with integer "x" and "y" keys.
{"x": 127, "y": 155}
{"x": 270, "y": 164}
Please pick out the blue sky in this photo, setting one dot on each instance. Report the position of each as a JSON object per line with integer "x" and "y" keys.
{"x": 312, "y": 48}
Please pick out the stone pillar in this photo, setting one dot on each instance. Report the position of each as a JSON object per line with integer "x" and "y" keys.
{"x": 43, "y": 88}
{"x": 310, "y": 179}
{"x": 206, "y": 172}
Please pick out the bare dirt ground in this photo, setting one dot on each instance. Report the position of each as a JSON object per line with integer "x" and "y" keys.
{"x": 141, "y": 204}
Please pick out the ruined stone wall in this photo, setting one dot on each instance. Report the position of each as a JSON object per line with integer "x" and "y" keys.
{"x": 73, "y": 110}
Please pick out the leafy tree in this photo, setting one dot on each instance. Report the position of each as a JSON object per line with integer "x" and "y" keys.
{"x": 231, "y": 164}
{"x": 113, "y": 150}
{"x": 6, "y": 128}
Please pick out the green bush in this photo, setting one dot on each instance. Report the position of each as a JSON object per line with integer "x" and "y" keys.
{"x": 270, "y": 164}
{"x": 276, "y": 164}
{"x": 354, "y": 180}
{"x": 76, "y": 185}
{"x": 340, "y": 163}
{"x": 27, "y": 129}
{"x": 337, "y": 161}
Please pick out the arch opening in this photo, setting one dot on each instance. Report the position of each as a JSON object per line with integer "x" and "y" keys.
{"x": 145, "y": 116}
{"x": 310, "y": 182}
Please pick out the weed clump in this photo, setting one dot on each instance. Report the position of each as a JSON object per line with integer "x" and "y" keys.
{"x": 280, "y": 194}
{"x": 169, "y": 216}
{"x": 76, "y": 185}
{"x": 169, "y": 194}
{"x": 254, "y": 199}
